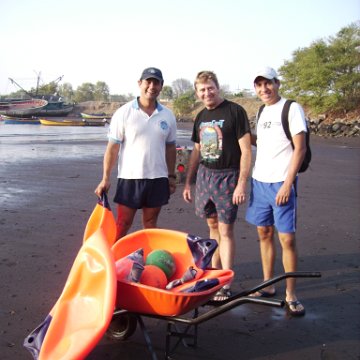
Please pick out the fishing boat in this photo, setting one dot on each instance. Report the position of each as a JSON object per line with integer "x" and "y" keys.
{"x": 70, "y": 122}
{"x": 95, "y": 116}
{"x": 56, "y": 106}
{"x": 22, "y": 108}
{"x": 19, "y": 120}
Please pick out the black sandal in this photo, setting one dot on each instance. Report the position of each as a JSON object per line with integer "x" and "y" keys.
{"x": 222, "y": 294}
{"x": 292, "y": 308}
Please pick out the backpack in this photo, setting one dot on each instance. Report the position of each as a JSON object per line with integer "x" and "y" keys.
{"x": 285, "y": 123}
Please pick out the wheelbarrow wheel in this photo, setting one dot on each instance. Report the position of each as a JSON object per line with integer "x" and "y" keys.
{"x": 121, "y": 327}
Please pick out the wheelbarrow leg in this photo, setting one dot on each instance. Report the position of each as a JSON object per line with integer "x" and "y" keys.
{"x": 181, "y": 335}
{"x": 147, "y": 337}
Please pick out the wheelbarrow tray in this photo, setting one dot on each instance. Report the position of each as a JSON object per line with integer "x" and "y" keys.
{"x": 140, "y": 298}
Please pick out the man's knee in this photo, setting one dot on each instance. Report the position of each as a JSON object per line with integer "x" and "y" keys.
{"x": 213, "y": 223}
{"x": 287, "y": 240}
{"x": 266, "y": 233}
{"x": 150, "y": 217}
{"x": 149, "y": 223}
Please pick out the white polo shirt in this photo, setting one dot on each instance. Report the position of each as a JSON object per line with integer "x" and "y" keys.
{"x": 143, "y": 140}
{"x": 274, "y": 150}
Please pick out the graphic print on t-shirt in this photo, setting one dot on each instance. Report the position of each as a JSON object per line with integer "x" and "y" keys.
{"x": 211, "y": 140}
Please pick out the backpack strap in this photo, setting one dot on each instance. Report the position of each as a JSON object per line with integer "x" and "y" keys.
{"x": 286, "y": 127}
{"x": 261, "y": 108}
{"x": 285, "y": 120}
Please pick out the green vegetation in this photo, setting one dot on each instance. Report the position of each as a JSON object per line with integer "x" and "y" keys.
{"x": 87, "y": 91}
{"x": 326, "y": 75}
{"x": 167, "y": 93}
{"x": 184, "y": 103}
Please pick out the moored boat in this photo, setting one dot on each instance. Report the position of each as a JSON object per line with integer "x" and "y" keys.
{"x": 71, "y": 122}
{"x": 95, "y": 116}
{"x": 56, "y": 105}
{"x": 24, "y": 108}
{"x": 19, "y": 120}
{"x": 57, "y": 108}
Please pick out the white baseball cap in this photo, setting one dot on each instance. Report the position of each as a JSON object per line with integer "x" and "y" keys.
{"x": 267, "y": 73}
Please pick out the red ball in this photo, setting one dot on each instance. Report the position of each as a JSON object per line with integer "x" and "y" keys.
{"x": 123, "y": 269}
{"x": 153, "y": 276}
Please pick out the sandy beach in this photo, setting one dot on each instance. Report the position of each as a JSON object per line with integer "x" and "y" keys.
{"x": 46, "y": 202}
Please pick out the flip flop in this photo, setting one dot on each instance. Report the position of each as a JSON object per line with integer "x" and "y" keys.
{"x": 263, "y": 293}
{"x": 291, "y": 307}
{"x": 222, "y": 294}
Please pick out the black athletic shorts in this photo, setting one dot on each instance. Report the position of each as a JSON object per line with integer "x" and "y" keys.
{"x": 139, "y": 193}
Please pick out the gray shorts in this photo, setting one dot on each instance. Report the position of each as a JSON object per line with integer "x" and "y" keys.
{"x": 214, "y": 192}
{"x": 139, "y": 193}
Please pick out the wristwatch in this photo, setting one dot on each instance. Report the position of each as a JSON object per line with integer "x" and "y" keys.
{"x": 172, "y": 176}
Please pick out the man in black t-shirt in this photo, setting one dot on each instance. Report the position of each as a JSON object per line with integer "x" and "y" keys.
{"x": 222, "y": 146}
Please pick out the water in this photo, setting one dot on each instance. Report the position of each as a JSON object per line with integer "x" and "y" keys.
{"x": 29, "y": 142}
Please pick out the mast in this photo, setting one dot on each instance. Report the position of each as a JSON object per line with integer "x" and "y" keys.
{"x": 37, "y": 83}
{"x": 26, "y": 92}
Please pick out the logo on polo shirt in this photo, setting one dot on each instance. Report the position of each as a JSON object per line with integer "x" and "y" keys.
{"x": 164, "y": 125}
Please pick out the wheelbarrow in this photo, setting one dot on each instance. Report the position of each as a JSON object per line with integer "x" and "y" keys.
{"x": 183, "y": 329}
{"x": 84, "y": 311}
{"x": 135, "y": 301}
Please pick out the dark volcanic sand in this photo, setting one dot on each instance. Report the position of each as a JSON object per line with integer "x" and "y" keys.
{"x": 44, "y": 209}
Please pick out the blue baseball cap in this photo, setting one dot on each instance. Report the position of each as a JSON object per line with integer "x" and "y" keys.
{"x": 152, "y": 72}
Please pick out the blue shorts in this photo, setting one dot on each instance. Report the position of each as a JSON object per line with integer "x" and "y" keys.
{"x": 214, "y": 192}
{"x": 262, "y": 210}
{"x": 139, "y": 193}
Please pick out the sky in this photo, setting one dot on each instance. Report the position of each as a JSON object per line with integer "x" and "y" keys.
{"x": 114, "y": 40}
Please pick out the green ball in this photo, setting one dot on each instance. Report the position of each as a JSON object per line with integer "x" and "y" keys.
{"x": 164, "y": 260}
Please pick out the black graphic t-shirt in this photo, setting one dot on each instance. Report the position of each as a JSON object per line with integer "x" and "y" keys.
{"x": 218, "y": 132}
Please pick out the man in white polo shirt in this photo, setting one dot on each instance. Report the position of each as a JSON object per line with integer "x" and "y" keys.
{"x": 142, "y": 136}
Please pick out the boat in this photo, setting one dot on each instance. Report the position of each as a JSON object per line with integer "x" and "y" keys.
{"x": 22, "y": 108}
{"x": 56, "y": 106}
{"x": 71, "y": 122}
{"x": 95, "y": 116}
{"x": 20, "y": 120}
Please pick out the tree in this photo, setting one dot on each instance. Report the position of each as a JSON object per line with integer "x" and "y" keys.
{"x": 50, "y": 88}
{"x": 307, "y": 77}
{"x": 122, "y": 98}
{"x": 345, "y": 65}
{"x": 326, "y": 75}
{"x": 19, "y": 94}
{"x": 184, "y": 104}
{"x": 166, "y": 93}
{"x": 101, "y": 91}
{"x": 84, "y": 92}
{"x": 90, "y": 92}
{"x": 181, "y": 86}
{"x": 66, "y": 91}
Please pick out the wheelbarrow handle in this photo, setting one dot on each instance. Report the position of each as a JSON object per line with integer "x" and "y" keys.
{"x": 296, "y": 274}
